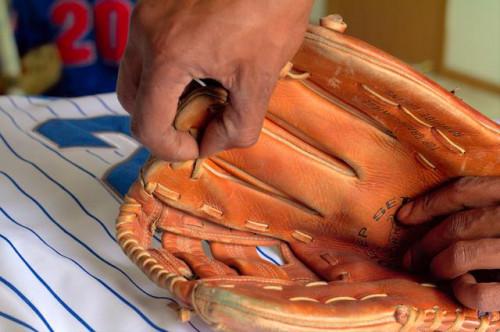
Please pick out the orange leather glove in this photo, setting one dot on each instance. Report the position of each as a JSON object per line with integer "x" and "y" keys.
{"x": 350, "y": 133}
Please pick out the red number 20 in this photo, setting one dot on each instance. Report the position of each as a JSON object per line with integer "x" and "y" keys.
{"x": 111, "y": 24}
{"x": 74, "y": 18}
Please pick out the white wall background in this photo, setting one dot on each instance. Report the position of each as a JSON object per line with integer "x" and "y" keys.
{"x": 472, "y": 38}
{"x": 319, "y": 10}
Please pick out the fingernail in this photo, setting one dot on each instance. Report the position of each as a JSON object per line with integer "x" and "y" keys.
{"x": 405, "y": 211}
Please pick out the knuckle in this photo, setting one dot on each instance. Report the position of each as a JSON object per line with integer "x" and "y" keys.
{"x": 460, "y": 225}
{"x": 466, "y": 181}
{"x": 157, "y": 44}
{"x": 466, "y": 184}
{"x": 461, "y": 255}
{"x": 242, "y": 140}
{"x": 239, "y": 135}
{"x": 143, "y": 21}
{"x": 427, "y": 203}
{"x": 483, "y": 218}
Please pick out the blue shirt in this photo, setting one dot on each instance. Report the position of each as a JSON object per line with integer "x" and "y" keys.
{"x": 91, "y": 36}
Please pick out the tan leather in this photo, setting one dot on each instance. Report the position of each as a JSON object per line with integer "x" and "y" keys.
{"x": 339, "y": 152}
{"x": 42, "y": 68}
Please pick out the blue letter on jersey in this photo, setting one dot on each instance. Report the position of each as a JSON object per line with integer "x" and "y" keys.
{"x": 80, "y": 133}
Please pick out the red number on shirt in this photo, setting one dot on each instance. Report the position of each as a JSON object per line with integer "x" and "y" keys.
{"x": 72, "y": 17}
{"x": 111, "y": 24}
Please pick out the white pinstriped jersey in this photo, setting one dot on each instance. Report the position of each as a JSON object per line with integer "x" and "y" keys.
{"x": 63, "y": 164}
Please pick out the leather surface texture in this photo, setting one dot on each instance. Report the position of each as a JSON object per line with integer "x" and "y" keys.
{"x": 350, "y": 134}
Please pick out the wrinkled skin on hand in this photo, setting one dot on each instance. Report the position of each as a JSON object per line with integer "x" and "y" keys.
{"x": 466, "y": 238}
{"x": 241, "y": 44}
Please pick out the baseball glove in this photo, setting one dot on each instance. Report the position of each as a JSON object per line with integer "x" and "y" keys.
{"x": 350, "y": 134}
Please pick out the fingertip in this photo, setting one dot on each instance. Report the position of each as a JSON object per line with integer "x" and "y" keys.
{"x": 404, "y": 212}
{"x": 465, "y": 279}
{"x": 170, "y": 146}
{"x": 229, "y": 130}
{"x": 475, "y": 295}
{"x": 461, "y": 287}
{"x": 414, "y": 213}
{"x": 178, "y": 146}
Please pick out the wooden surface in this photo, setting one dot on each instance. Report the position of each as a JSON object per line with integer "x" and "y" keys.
{"x": 412, "y": 30}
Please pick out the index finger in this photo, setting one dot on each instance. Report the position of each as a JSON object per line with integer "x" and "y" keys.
{"x": 155, "y": 110}
{"x": 464, "y": 193}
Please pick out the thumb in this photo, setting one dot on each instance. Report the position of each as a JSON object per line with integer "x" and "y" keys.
{"x": 240, "y": 123}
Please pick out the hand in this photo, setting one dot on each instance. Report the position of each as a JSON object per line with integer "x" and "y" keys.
{"x": 242, "y": 44}
{"x": 467, "y": 238}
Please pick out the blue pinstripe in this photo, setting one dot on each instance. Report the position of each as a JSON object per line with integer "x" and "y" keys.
{"x": 51, "y": 179}
{"x": 66, "y": 190}
{"x": 78, "y": 108}
{"x": 267, "y": 256}
{"x": 100, "y": 281}
{"x": 97, "y": 156}
{"x": 51, "y": 291}
{"x": 50, "y": 109}
{"x": 76, "y": 239}
{"x": 20, "y": 109}
{"x": 106, "y": 106}
{"x": 79, "y": 204}
{"x": 27, "y": 301}
{"x": 17, "y": 321}
{"x": 16, "y": 125}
